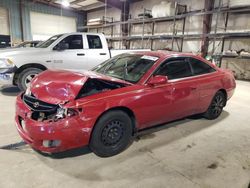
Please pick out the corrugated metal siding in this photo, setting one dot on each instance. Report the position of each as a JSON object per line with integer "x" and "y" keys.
{"x": 14, "y": 9}
{"x": 15, "y": 26}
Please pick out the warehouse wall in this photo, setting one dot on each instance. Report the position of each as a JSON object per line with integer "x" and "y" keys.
{"x": 15, "y": 26}
{"x": 15, "y": 22}
{"x": 194, "y": 24}
{"x": 4, "y": 21}
{"x": 237, "y": 23}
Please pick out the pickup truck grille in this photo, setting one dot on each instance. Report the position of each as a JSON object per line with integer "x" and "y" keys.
{"x": 38, "y": 105}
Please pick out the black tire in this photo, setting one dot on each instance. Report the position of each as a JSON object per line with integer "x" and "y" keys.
{"x": 26, "y": 76}
{"x": 112, "y": 134}
{"x": 216, "y": 107}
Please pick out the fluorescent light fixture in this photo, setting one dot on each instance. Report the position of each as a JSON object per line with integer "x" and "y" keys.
{"x": 65, "y": 3}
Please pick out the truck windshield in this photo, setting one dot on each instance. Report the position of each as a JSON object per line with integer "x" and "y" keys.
{"x": 48, "y": 42}
{"x": 128, "y": 67}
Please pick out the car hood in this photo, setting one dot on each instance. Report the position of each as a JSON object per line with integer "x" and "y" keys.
{"x": 10, "y": 52}
{"x": 60, "y": 86}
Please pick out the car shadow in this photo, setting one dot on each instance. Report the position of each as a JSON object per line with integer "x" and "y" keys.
{"x": 10, "y": 90}
{"x": 145, "y": 133}
{"x": 150, "y": 134}
{"x": 82, "y": 164}
{"x": 67, "y": 154}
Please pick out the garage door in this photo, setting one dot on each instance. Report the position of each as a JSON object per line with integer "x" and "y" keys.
{"x": 45, "y": 25}
{"x": 4, "y": 22}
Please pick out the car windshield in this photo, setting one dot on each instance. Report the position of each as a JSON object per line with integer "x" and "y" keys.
{"x": 48, "y": 42}
{"x": 128, "y": 67}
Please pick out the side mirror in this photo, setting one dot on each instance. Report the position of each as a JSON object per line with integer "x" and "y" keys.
{"x": 61, "y": 46}
{"x": 158, "y": 80}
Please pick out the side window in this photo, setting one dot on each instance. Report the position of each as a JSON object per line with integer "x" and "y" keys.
{"x": 73, "y": 42}
{"x": 175, "y": 69}
{"x": 200, "y": 67}
{"x": 94, "y": 42}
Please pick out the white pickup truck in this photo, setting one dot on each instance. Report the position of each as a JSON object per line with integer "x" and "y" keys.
{"x": 72, "y": 51}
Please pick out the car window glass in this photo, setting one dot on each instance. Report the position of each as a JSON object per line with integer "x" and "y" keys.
{"x": 48, "y": 42}
{"x": 94, "y": 42}
{"x": 129, "y": 67}
{"x": 200, "y": 67}
{"x": 175, "y": 69}
{"x": 73, "y": 42}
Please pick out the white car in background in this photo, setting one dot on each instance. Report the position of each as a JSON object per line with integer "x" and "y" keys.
{"x": 72, "y": 51}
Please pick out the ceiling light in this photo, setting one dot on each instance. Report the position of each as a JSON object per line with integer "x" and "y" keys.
{"x": 65, "y": 3}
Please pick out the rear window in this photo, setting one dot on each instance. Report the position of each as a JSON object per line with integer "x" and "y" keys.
{"x": 94, "y": 42}
{"x": 200, "y": 67}
{"x": 175, "y": 69}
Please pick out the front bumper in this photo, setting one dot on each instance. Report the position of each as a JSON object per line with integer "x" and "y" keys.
{"x": 72, "y": 132}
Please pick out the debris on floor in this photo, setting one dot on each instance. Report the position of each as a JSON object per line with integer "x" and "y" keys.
{"x": 213, "y": 165}
{"x": 14, "y": 146}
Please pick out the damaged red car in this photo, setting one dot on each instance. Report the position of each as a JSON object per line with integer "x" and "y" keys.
{"x": 104, "y": 108}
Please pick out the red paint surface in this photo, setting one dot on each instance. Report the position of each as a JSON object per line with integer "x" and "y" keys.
{"x": 151, "y": 105}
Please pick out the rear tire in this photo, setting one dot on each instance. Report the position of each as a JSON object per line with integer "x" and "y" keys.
{"x": 26, "y": 76}
{"x": 216, "y": 107}
{"x": 112, "y": 134}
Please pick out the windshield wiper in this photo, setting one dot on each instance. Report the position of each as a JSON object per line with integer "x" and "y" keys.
{"x": 109, "y": 65}
{"x": 125, "y": 70}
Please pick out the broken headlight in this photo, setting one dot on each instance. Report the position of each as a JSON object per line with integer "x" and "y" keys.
{"x": 65, "y": 112}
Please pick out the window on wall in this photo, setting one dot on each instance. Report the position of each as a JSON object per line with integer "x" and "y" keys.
{"x": 94, "y": 42}
{"x": 200, "y": 67}
{"x": 174, "y": 69}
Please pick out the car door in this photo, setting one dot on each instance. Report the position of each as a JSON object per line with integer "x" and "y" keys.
{"x": 71, "y": 58}
{"x": 207, "y": 82}
{"x": 96, "y": 51}
{"x": 184, "y": 86}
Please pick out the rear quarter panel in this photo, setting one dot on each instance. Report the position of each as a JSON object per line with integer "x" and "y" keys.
{"x": 228, "y": 81}
{"x": 207, "y": 86}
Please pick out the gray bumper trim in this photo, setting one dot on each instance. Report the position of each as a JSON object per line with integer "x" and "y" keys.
{"x": 6, "y": 78}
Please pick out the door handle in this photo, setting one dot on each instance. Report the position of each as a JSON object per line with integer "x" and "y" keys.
{"x": 103, "y": 53}
{"x": 80, "y": 54}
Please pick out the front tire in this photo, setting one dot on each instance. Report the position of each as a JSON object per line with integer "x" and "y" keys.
{"x": 26, "y": 76}
{"x": 112, "y": 134}
{"x": 216, "y": 106}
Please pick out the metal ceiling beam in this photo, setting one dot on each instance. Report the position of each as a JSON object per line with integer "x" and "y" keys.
{"x": 97, "y": 9}
{"x": 113, "y": 3}
{"x": 76, "y": 2}
{"x": 91, "y": 6}
{"x": 51, "y": 3}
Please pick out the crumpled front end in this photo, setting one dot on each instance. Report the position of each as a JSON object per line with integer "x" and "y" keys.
{"x": 48, "y": 116}
{"x": 49, "y": 127}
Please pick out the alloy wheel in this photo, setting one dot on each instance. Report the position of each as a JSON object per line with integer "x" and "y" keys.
{"x": 217, "y": 105}
{"x": 28, "y": 79}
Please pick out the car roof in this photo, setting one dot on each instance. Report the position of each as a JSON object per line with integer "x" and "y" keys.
{"x": 164, "y": 53}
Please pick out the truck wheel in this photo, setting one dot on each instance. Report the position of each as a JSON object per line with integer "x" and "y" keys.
{"x": 112, "y": 134}
{"x": 26, "y": 76}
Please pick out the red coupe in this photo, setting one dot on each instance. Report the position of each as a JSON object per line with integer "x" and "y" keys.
{"x": 104, "y": 108}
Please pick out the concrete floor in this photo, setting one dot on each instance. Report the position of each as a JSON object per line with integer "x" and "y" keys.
{"x": 187, "y": 153}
